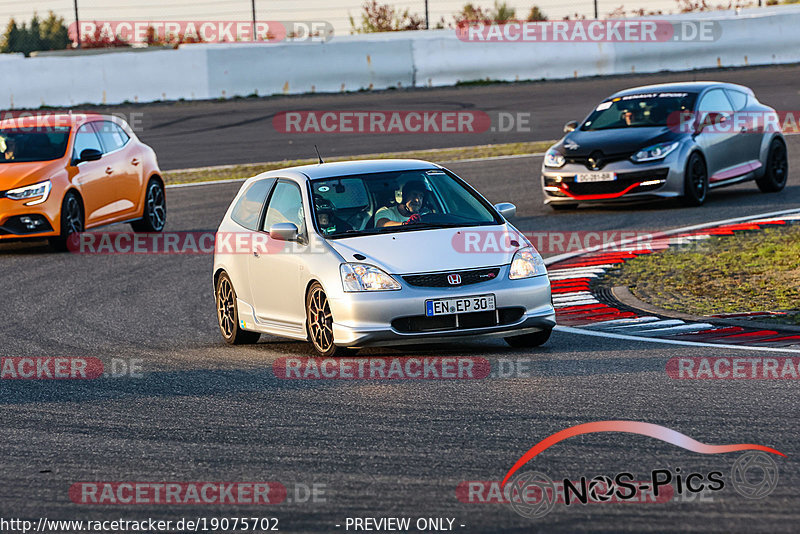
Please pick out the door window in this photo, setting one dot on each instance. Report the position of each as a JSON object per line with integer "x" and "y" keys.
{"x": 112, "y": 135}
{"x": 247, "y": 210}
{"x": 285, "y": 205}
{"x": 715, "y": 101}
{"x": 85, "y": 138}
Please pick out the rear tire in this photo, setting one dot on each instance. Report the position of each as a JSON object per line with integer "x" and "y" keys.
{"x": 777, "y": 171}
{"x": 228, "y": 315}
{"x": 527, "y": 341}
{"x": 72, "y": 221}
{"x": 695, "y": 184}
{"x": 154, "y": 216}
{"x": 319, "y": 324}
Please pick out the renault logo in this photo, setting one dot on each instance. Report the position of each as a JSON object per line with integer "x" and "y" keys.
{"x": 454, "y": 279}
{"x": 595, "y": 161}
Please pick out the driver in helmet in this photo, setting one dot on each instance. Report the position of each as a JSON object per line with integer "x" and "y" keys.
{"x": 407, "y": 211}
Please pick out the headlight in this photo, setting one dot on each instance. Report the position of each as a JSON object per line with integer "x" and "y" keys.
{"x": 526, "y": 263}
{"x": 655, "y": 152}
{"x": 39, "y": 191}
{"x": 363, "y": 277}
{"x": 554, "y": 158}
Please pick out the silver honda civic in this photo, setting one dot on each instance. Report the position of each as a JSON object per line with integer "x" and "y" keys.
{"x": 667, "y": 140}
{"x": 384, "y": 252}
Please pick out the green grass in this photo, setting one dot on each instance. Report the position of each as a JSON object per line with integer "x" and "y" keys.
{"x": 746, "y": 272}
{"x": 229, "y": 172}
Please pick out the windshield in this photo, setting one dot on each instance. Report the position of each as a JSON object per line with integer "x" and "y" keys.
{"x": 396, "y": 202}
{"x": 36, "y": 144}
{"x": 639, "y": 111}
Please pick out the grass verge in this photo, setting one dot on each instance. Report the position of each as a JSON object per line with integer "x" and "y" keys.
{"x": 746, "y": 272}
{"x": 230, "y": 172}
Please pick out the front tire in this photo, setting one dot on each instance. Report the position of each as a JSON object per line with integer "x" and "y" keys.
{"x": 319, "y": 323}
{"x": 777, "y": 171}
{"x": 528, "y": 341}
{"x": 228, "y": 315}
{"x": 72, "y": 221}
{"x": 695, "y": 188}
{"x": 154, "y": 216}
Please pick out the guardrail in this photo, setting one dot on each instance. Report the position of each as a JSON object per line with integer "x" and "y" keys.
{"x": 380, "y": 61}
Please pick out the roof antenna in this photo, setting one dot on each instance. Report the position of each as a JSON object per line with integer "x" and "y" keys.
{"x": 318, "y": 156}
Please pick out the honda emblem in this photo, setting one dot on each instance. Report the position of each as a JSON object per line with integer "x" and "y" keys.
{"x": 454, "y": 279}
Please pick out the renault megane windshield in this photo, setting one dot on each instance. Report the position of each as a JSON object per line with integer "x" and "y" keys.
{"x": 638, "y": 110}
{"x": 395, "y": 202}
{"x": 40, "y": 144}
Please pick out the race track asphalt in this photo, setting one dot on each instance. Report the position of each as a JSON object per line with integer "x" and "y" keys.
{"x": 203, "y": 411}
{"x": 198, "y": 134}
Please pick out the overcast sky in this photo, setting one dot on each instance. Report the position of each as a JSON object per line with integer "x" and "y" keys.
{"x": 334, "y": 11}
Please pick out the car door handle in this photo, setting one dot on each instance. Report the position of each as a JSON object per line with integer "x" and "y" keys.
{"x": 109, "y": 170}
{"x": 256, "y": 254}
{"x": 134, "y": 161}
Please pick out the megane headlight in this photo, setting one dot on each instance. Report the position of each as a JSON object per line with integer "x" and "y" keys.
{"x": 363, "y": 277}
{"x": 526, "y": 263}
{"x": 655, "y": 152}
{"x": 554, "y": 158}
{"x": 39, "y": 192}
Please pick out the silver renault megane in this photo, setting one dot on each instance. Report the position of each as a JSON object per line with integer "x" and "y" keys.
{"x": 386, "y": 252}
{"x": 667, "y": 140}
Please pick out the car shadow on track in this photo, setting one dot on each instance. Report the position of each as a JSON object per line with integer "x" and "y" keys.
{"x": 25, "y": 248}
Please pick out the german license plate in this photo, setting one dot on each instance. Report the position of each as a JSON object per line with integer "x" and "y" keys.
{"x": 477, "y": 303}
{"x": 586, "y": 177}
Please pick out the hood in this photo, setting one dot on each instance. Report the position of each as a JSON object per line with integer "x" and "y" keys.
{"x": 617, "y": 141}
{"x": 13, "y": 175}
{"x": 424, "y": 251}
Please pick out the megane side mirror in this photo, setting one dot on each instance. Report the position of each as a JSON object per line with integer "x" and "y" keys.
{"x": 506, "y": 209}
{"x": 570, "y": 126}
{"x": 283, "y": 232}
{"x": 89, "y": 154}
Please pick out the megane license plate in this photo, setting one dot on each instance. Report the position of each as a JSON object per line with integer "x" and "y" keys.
{"x": 586, "y": 177}
{"x": 459, "y": 305}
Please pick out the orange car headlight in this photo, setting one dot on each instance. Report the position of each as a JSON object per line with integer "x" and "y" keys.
{"x": 38, "y": 193}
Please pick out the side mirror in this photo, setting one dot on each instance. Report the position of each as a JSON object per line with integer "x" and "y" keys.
{"x": 89, "y": 154}
{"x": 506, "y": 209}
{"x": 283, "y": 232}
{"x": 570, "y": 126}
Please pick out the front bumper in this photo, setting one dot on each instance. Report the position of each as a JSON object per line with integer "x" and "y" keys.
{"x": 20, "y": 221}
{"x": 398, "y": 317}
{"x": 635, "y": 181}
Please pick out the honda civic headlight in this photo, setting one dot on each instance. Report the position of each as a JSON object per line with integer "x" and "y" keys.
{"x": 655, "y": 152}
{"x": 39, "y": 192}
{"x": 526, "y": 263}
{"x": 363, "y": 277}
{"x": 554, "y": 158}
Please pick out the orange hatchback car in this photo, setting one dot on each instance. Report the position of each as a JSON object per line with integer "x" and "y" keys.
{"x": 64, "y": 173}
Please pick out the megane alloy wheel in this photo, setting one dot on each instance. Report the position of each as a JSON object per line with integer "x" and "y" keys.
{"x": 777, "y": 169}
{"x": 155, "y": 209}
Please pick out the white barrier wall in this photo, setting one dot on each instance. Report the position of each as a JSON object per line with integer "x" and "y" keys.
{"x": 379, "y": 61}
